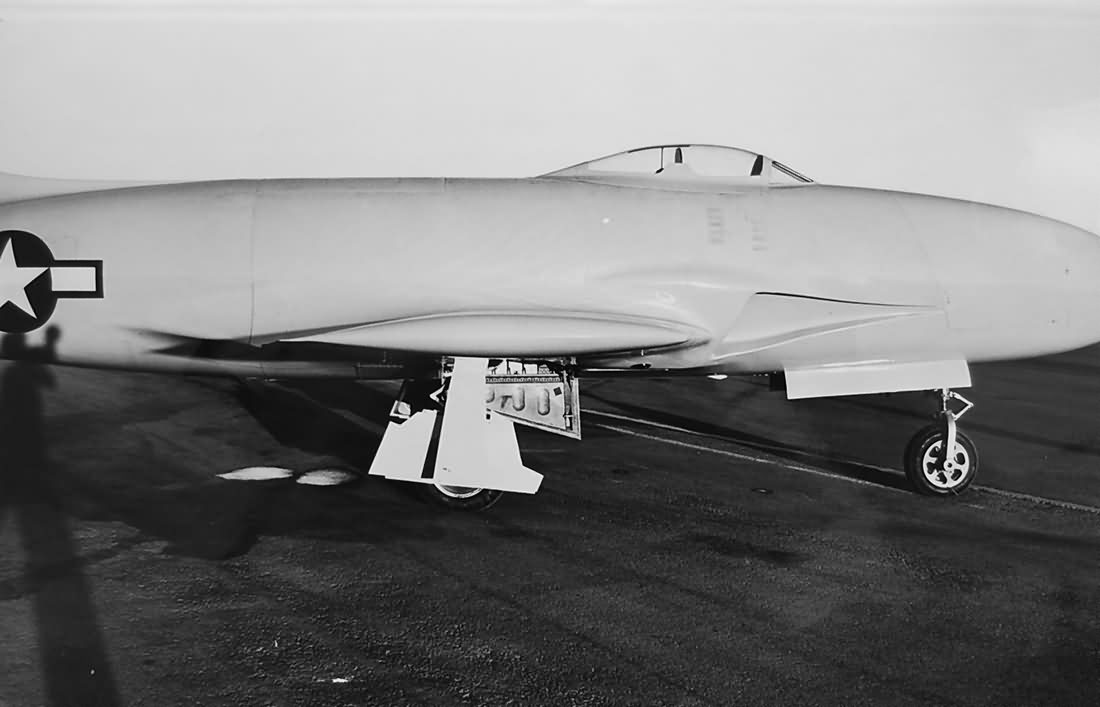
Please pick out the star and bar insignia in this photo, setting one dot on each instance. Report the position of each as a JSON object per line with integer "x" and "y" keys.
{"x": 32, "y": 281}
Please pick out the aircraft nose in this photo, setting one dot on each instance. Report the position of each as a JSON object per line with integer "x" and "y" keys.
{"x": 1016, "y": 284}
{"x": 1081, "y": 271}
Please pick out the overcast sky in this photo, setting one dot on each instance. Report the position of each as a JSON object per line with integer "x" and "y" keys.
{"x": 996, "y": 101}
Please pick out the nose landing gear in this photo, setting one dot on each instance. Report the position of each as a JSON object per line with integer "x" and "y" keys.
{"x": 940, "y": 460}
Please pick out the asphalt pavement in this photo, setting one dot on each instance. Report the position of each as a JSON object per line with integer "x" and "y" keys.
{"x": 707, "y": 543}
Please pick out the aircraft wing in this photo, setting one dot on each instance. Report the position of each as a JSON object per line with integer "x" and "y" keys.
{"x": 867, "y": 377}
{"x": 808, "y": 332}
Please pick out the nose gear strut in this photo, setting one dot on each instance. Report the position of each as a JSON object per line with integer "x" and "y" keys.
{"x": 940, "y": 460}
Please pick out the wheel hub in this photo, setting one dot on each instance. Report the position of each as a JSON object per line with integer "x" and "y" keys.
{"x": 457, "y": 491}
{"x": 952, "y": 472}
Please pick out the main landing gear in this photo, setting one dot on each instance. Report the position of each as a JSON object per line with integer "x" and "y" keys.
{"x": 443, "y": 438}
{"x": 940, "y": 460}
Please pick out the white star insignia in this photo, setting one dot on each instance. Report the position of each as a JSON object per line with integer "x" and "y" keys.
{"x": 14, "y": 280}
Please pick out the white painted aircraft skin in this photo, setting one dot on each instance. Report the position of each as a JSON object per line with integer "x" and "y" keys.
{"x": 707, "y": 275}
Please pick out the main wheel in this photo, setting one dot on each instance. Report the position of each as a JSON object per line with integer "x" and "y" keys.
{"x": 461, "y": 498}
{"x": 928, "y": 474}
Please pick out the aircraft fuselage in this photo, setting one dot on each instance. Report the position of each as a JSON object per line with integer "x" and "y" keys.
{"x": 737, "y": 280}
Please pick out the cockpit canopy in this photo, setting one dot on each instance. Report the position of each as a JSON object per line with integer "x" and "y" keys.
{"x": 685, "y": 165}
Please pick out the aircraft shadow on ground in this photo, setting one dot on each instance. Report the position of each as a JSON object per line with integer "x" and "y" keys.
{"x": 772, "y": 447}
{"x": 304, "y": 415}
{"x": 974, "y": 422}
{"x": 218, "y": 519}
{"x": 215, "y": 519}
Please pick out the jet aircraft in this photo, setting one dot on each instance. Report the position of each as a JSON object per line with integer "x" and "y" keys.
{"x": 490, "y": 298}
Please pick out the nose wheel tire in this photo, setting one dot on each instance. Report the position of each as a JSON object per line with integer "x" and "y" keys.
{"x": 461, "y": 498}
{"x": 933, "y": 474}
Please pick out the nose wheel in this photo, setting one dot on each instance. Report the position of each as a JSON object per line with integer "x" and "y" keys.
{"x": 940, "y": 460}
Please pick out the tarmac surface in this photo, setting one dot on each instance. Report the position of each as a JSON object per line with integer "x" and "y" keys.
{"x": 707, "y": 543}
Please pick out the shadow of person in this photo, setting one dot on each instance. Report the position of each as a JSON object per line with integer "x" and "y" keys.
{"x": 74, "y": 660}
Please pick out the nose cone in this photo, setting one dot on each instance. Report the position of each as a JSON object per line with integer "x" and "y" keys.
{"x": 1015, "y": 284}
{"x": 1043, "y": 280}
{"x": 1081, "y": 281}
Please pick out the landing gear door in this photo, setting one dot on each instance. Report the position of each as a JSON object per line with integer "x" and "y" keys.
{"x": 541, "y": 394}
